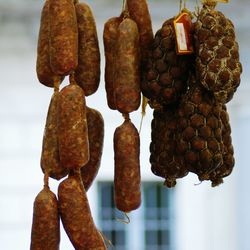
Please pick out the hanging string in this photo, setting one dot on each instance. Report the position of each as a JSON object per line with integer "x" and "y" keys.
{"x": 46, "y": 180}
{"x": 126, "y": 220}
{"x": 72, "y": 78}
{"x": 180, "y": 6}
{"x": 143, "y": 111}
{"x": 126, "y": 117}
{"x": 57, "y": 82}
{"x": 107, "y": 241}
{"x": 125, "y": 11}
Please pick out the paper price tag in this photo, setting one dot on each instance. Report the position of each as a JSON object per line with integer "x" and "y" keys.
{"x": 182, "y": 26}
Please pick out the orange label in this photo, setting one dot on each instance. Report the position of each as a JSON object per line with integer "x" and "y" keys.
{"x": 183, "y": 26}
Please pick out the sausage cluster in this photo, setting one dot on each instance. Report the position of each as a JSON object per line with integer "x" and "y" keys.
{"x": 190, "y": 129}
{"x": 188, "y": 92}
{"x": 73, "y": 135}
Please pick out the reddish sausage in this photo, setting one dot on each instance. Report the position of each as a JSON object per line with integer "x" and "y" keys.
{"x": 72, "y": 127}
{"x": 127, "y": 77}
{"x": 96, "y": 135}
{"x": 45, "y": 227}
{"x": 138, "y": 11}
{"x": 50, "y": 161}
{"x": 76, "y": 215}
{"x": 63, "y": 37}
{"x": 109, "y": 39}
{"x": 87, "y": 74}
{"x": 127, "y": 167}
{"x": 43, "y": 69}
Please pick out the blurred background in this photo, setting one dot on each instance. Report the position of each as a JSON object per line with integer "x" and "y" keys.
{"x": 188, "y": 217}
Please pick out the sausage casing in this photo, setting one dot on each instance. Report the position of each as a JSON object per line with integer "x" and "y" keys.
{"x": 63, "y": 37}
{"x": 109, "y": 39}
{"x": 127, "y": 167}
{"x": 50, "y": 161}
{"x": 87, "y": 73}
{"x": 44, "y": 73}
{"x": 127, "y": 77}
{"x": 72, "y": 127}
{"x": 45, "y": 227}
{"x": 96, "y": 136}
{"x": 76, "y": 215}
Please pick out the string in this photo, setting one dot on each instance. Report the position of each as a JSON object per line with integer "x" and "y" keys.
{"x": 46, "y": 180}
{"x": 126, "y": 117}
{"x": 143, "y": 112}
{"x": 126, "y": 220}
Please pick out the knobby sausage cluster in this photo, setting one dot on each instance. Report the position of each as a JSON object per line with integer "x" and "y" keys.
{"x": 187, "y": 89}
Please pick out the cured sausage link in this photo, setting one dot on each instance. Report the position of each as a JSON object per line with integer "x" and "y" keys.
{"x": 63, "y": 36}
{"x": 72, "y": 127}
{"x": 127, "y": 77}
{"x": 76, "y": 215}
{"x": 45, "y": 232}
{"x": 96, "y": 136}
{"x": 109, "y": 39}
{"x": 127, "y": 167}
{"x": 87, "y": 74}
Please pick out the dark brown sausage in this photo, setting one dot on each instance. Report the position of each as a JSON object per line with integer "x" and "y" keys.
{"x": 109, "y": 39}
{"x": 43, "y": 69}
{"x": 76, "y": 215}
{"x": 87, "y": 74}
{"x": 127, "y": 167}
{"x": 50, "y": 161}
{"x": 165, "y": 161}
{"x": 127, "y": 77}
{"x": 63, "y": 37}
{"x": 228, "y": 151}
{"x": 139, "y": 12}
{"x": 72, "y": 127}
{"x": 45, "y": 227}
{"x": 96, "y": 135}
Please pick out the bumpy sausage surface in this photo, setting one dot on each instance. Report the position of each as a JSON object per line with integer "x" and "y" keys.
{"x": 72, "y": 127}
{"x": 76, "y": 216}
{"x": 127, "y": 167}
{"x": 87, "y": 74}
{"x": 50, "y": 161}
{"x": 127, "y": 77}
{"x": 139, "y": 12}
{"x": 45, "y": 227}
{"x": 43, "y": 69}
{"x": 63, "y": 36}
{"x": 96, "y": 136}
{"x": 109, "y": 39}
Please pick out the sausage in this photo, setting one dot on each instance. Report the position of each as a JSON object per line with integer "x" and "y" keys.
{"x": 127, "y": 77}
{"x": 109, "y": 39}
{"x": 139, "y": 12}
{"x": 63, "y": 37}
{"x": 50, "y": 162}
{"x": 76, "y": 215}
{"x": 199, "y": 137}
{"x": 228, "y": 151}
{"x": 96, "y": 136}
{"x": 127, "y": 181}
{"x": 218, "y": 66}
{"x": 44, "y": 73}
{"x": 164, "y": 159}
{"x": 72, "y": 127}
{"x": 87, "y": 73}
{"x": 45, "y": 232}
{"x": 165, "y": 78}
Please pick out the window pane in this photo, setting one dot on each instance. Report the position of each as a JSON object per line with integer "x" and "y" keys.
{"x": 164, "y": 237}
{"x": 151, "y": 237}
{"x": 150, "y": 195}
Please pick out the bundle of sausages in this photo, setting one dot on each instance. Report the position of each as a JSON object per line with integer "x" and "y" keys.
{"x": 74, "y": 133}
{"x": 127, "y": 39}
{"x": 190, "y": 129}
{"x": 188, "y": 91}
